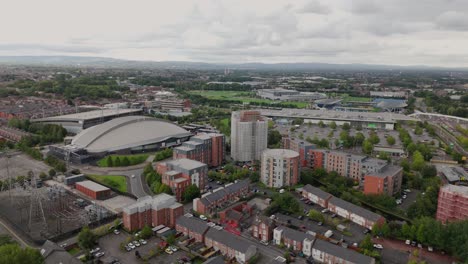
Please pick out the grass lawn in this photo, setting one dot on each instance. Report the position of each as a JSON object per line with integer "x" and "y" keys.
{"x": 246, "y": 97}
{"x": 74, "y": 251}
{"x": 347, "y": 98}
{"x": 133, "y": 160}
{"x": 114, "y": 181}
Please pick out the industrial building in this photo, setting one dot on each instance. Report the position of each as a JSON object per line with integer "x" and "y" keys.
{"x": 452, "y": 203}
{"x": 249, "y": 131}
{"x": 382, "y": 120}
{"x": 75, "y": 123}
{"x": 162, "y": 209}
{"x": 282, "y": 94}
{"x": 181, "y": 173}
{"x": 124, "y": 135}
{"x": 93, "y": 190}
{"x": 279, "y": 167}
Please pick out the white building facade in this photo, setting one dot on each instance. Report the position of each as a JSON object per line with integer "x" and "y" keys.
{"x": 249, "y": 132}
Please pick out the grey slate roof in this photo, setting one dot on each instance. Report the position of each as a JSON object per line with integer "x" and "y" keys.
{"x": 316, "y": 191}
{"x": 53, "y": 254}
{"x": 294, "y": 234}
{"x": 219, "y": 195}
{"x": 343, "y": 253}
{"x": 192, "y": 223}
{"x": 215, "y": 260}
{"x": 229, "y": 240}
{"x": 354, "y": 209}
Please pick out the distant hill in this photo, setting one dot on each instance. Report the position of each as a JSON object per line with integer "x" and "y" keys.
{"x": 78, "y": 61}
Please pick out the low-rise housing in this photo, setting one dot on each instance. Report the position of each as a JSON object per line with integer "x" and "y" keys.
{"x": 230, "y": 245}
{"x": 356, "y": 214}
{"x": 316, "y": 195}
{"x": 162, "y": 209}
{"x": 54, "y": 254}
{"x": 213, "y": 201}
{"x": 262, "y": 228}
{"x": 293, "y": 239}
{"x": 325, "y": 252}
{"x": 192, "y": 227}
{"x": 181, "y": 173}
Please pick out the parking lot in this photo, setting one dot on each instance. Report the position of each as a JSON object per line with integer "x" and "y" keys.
{"x": 110, "y": 244}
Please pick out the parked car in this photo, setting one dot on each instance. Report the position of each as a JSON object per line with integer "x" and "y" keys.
{"x": 130, "y": 245}
{"x": 430, "y": 249}
{"x": 300, "y": 217}
{"x": 378, "y": 246}
{"x": 264, "y": 242}
{"x": 136, "y": 243}
{"x": 169, "y": 251}
{"x": 94, "y": 251}
{"x": 143, "y": 242}
{"x": 324, "y": 211}
{"x": 319, "y": 223}
{"x": 407, "y": 242}
{"x": 99, "y": 254}
{"x": 413, "y": 243}
{"x": 404, "y": 196}
{"x": 128, "y": 248}
{"x": 204, "y": 218}
{"x": 116, "y": 231}
{"x": 281, "y": 191}
{"x": 173, "y": 248}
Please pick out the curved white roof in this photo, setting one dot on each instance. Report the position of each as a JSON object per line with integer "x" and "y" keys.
{"x": 127, "y": 132}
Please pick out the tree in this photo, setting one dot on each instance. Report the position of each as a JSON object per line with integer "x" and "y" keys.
{"x": 333, "y": 125}
{"x": 43, "y": 176}
{"x": 316, "y": 215}
{"x": 287, "y": 203}
{"x": 86, "y": 239}
{"x": 366, "y": 243}
{"x": 109, "y": 161}
{"x": 148, "y": 168}
{"x": 321, "y": 124}
{"x": 391, "y": 140}
{"x": 367, "y": 147}
{"x": 346, "y": 126}
{"x": 298, "y": 121}
{"x": 274, "y": 138}
{"x": 6, "y": 239}
{"x": 117, "y": 162}
{"x": 418, "y": 161}
{"x": 125, "y": 161}
{"x": 429, "y": 171}
{"x": 191, "y": 193}
{"x": 13, "y": 253}
{"x": 359, "y": 138}
{"x": 146, "y": 232}
{"x": 254, "y": 176}
{"x": 170, "y": 239}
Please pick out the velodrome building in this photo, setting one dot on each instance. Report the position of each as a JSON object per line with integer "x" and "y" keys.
{"x": 123, "y": 135}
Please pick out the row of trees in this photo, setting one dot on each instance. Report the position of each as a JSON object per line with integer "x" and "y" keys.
{"x": 163, "y": 154}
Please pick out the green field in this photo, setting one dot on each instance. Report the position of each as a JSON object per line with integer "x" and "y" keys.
{"x": 347, "y": 98}
{"x": 114, "y": 181}
{"x": 132, "y": 160}
{"x": 246, "y": 97}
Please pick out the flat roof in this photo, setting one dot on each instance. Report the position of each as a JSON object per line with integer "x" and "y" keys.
{"x": 462, "y": 190}
{"x": 281, "y": 153}
{"x": 186, "y": 164}
{"x": 454, "y": 173}
{"x": 93, "y": 186}
{"x": 380, "y": 117}
{"x": 89, "y": 115}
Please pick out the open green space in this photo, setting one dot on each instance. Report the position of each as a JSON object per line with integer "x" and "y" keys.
{"x": 246, "y": 97}
{"x": 115, "y": 181}
{"x": 347, "y": 98}
{"x": 122, "y": 160}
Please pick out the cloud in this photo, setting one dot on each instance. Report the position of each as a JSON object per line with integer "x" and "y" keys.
{"x": 315, "y": 7}
{"x": 340, "y": 31}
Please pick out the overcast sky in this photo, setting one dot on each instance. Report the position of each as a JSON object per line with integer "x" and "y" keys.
{"x": 403, "y": 32}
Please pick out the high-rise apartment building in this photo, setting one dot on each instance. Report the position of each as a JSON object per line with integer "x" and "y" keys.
{"x": 280, "y": 167}
{"x": 249, "y": 131}
{"x": 453, "y": 203}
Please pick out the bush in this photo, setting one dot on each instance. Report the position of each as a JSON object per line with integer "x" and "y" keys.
{"x": 52, "y": 172}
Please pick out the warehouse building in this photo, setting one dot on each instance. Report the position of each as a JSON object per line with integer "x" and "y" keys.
{"x": 383, "y": 120}
{"x": 93, "y": 190}
{"x": 75, "y": 123}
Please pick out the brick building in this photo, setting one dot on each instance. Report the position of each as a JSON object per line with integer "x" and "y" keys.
{"x": 192, "y": 227}
{"x": 262, "y": 228}
{"x": 296, "y": 240}
{"x": 212, "y": 202}
{"x": 230, "y": 245}
{"x": 206, "y": 148}
{"x": 325, "y": 252}
{"x": 316, "y": 195}
{"x": 385, "y": 181}
{"x": 453, "y": 203}
{"x": 302, "y": 147}
{"x": 93, "y": 190}
{"x": 356, "y": 214}
{"x": 181, "y": 173}
{"x": 162, "y": 209}
{"x": 279, "y": 167}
